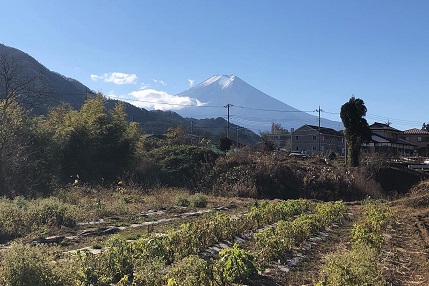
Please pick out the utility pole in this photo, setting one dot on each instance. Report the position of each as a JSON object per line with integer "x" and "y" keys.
{"x": 237, "y": 134}
{"x": 227, "y": 130}
{"x": 318, "y": 110}
{"x": 192, "y": 132}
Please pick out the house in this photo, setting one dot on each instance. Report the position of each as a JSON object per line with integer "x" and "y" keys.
{"x": 419, "y": 138}
{"x": 279, "y": 135}
{"x": 386, "y": 140}
{"x": 314, "y": 140}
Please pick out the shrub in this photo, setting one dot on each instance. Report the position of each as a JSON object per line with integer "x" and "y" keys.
{"x": 20, "y": 216}
{"x": 177, "y": 166}
{"x": 27, "y": 265}
{"x": 199, "y": 201}
{"x": 12, "y": 219}
{"x": 183, "y": 202}
{"x": 149, "y": 271}
{"x": 51, "y": 212}
{"x": 190, "y": 271}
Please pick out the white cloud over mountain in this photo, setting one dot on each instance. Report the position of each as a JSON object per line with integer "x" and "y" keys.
{"x": 116, "y": 78}
{"x": 155, "y": 99}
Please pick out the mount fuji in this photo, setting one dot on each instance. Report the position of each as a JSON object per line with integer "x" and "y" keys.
{"x": 248, "y": 106}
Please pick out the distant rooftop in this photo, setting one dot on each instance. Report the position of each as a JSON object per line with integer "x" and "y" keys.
{"x": 416, "y": 131}
{"x": 382, "y": 126}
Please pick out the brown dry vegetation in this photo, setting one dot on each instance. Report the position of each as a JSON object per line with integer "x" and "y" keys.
{"x": 238, "y": 181}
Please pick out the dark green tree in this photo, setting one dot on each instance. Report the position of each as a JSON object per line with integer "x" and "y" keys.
{"x": 225, "y": 143}
{"x": 425, "y": 127}
{"x": 356, "y": 129}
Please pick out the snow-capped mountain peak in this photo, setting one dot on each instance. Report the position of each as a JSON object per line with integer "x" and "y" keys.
{"x": 223, "y": 80}
{"x": 250, "y": 107}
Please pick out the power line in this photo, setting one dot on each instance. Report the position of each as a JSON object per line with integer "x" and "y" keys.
{"x": 396, "y": 121}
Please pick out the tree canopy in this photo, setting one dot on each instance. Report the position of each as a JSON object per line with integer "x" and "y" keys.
{"x": 356, "y": 129}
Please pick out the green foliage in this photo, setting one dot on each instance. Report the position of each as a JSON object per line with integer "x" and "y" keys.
{"x": 199, "y": 200}
{"x": 179, "y": 165}
{"x": 356, "y": 129}
{"x": 20, "y": 216}
{"x": 360, "y": 265}
{"x": 190, "y": 271}
{"x": 183, "y": 201}
{"x": 17, "y": 145}
{"x": 274, "y": 244}
{"x": 24, "y": 265}
{"x": 225, "y": 143}
{"x": 236, "y": 265}
{"x": 370, "y": 230}
{"x": 94, "y": 143}
{"x": 149, "y": 271}
{"x": 355, "y": 268}
{"x": 177, "y": 135}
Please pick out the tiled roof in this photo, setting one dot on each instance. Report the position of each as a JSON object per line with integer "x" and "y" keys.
{"x": 382, "y": 126}
{"x": 416, "y": 131}
{"x": 324, "y": 130}
{"x": 391, "y": 140}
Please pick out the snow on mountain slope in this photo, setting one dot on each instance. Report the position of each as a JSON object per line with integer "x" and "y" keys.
{"x": 249, "y": 107}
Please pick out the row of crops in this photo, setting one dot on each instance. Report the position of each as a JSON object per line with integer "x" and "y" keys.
{"x": 273, "y": 230}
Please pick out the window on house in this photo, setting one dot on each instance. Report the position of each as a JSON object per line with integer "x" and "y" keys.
{"x": 314, "y": 138}
{"x": 297, "y": 149}
{"x": 419, "y": 139}
{"x": 296, "y": 137}
{"x": 314, "y": 148}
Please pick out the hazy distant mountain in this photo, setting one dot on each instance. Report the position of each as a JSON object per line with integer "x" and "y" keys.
{"x": 250, "y": 108}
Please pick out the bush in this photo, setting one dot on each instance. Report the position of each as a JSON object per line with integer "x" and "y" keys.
{"x": 27, "y": 265}
{"x": 51, "y": 212}
{"x": 183, "y": 202}
{"x": 190, "y": 271}
{"x": 21, "y": 216}
{"x": 199, "y": 201}
{"x": 176, "y": 166}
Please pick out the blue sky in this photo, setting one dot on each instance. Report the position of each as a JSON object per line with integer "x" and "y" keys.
{"x": 304, "y": 53}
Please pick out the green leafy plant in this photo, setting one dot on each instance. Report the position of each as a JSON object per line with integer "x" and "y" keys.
{"x": 236, "y": 265}
{"x": 27, "y": 265}
{"x": 190, "y": 271}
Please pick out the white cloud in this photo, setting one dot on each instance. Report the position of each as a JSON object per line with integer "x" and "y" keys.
{"x": 95, "y": 77}
{"x": 145, "y": 86}
{"x": 159, "y": 81}
{"x": 116, "y": 77}
{"x": 191, "y": 82}
{"x": 155, "y": 99}
{"x": 112, "y": 95}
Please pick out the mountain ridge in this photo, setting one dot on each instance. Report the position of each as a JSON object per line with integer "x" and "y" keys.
{"x": 58, "y": 88}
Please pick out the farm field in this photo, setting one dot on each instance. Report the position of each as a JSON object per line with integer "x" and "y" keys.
{"x": 85, "y": 236}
